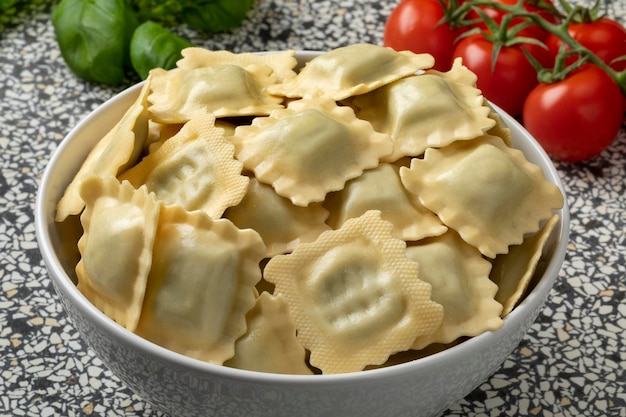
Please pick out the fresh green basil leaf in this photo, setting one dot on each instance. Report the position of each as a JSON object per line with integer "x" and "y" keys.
{"x": 162, "y": 11}
{"x": 5, "y": 4}
{"x": 94, "y": 36}
{"x": 215, "y": 15}
{"x": 131, "y": 24}
{"x": 154, "y": 46}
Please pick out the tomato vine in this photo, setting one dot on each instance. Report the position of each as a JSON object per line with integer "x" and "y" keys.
{"x": 457, "y": 12}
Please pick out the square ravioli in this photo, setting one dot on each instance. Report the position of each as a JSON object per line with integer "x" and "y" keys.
{"x": 223, "y": 90}
{"x": 380, "y": 189}
{"x": 282, "y": 64}
{"x": 201, "y": 284}
{"x": 431, "y": 109}
{"x": 309, "y": 149}
{"x": 195, "y": 169}
{"x": 270, "y": 343}
{"x": 459, "y": 276}
{"x": 281, "y": 224}
{"x": 118, "y": 150}
{"x": 354, "y": 295}
{"x": 351, "y": 70}
{"x": 486, "y": 191}
{"x": 119, "y": 226}
{"x": 513, "y": 271}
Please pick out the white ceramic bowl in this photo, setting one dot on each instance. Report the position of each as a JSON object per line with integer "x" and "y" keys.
{"x": 182, "y": 386}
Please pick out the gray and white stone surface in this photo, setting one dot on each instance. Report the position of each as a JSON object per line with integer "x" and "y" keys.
{"x": 571, "y": 363}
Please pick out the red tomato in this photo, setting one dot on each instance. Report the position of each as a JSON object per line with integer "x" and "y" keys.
{"x": 604, "y": 37}
{"x": 531, "y": 31}
{"x": 576, "y": 118}
{"x": 513, "y": 76}
{"x": 414, "y": 25}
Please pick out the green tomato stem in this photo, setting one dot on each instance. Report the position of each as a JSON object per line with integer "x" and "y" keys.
{"x": 559, "y": 30}
{"x": 562, "y": 33}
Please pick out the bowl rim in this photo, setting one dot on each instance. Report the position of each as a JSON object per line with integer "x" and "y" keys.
{"x": 64, "y": 284}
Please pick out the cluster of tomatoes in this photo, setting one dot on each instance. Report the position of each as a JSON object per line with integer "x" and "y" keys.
{"x": 570, "y": 104}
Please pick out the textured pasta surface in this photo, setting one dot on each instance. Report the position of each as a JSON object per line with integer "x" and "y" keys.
{"x": 361, "y": 211}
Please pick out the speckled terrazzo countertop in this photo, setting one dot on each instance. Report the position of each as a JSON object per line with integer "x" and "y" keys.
{"x": 571, "y": 363}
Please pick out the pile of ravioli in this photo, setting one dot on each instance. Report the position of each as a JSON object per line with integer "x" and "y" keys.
{"x": 327, "y": 219}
